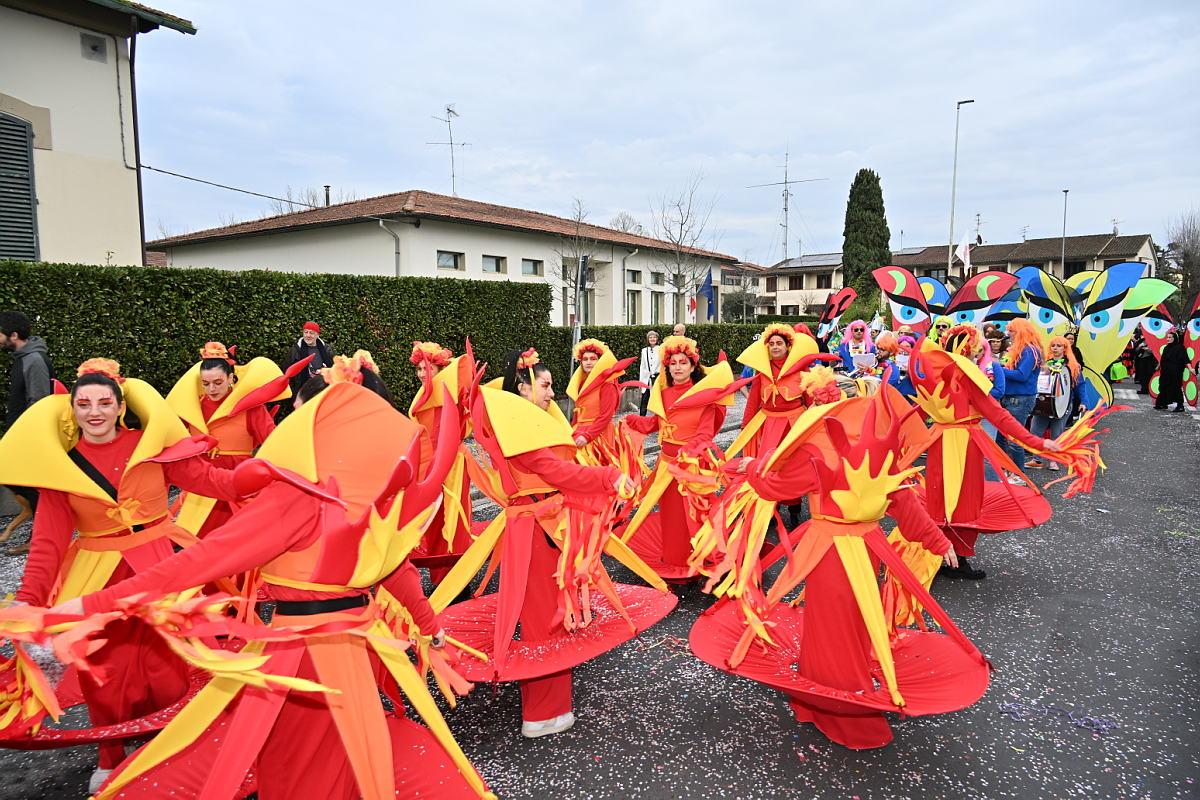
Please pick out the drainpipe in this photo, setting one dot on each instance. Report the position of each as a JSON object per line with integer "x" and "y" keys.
{"x": 137, "y": 146}
{"x": 624, "y": 278}
{"x": 395, "y": 236}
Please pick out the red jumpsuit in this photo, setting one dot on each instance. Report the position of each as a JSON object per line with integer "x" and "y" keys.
{"x": 237, "y": 439}
{"x": 594, "y": 413}
{"x": 433, "y": 543}
{"x": 146, "y": 676}
{"x": 779, "y": 402}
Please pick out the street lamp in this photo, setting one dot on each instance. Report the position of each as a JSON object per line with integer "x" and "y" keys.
{"x": 1064, "y": 236}
{"x": 954, "y": 186}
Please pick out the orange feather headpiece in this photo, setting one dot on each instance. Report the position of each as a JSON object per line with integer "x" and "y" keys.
{"x": 819, "y": 385}
{"x": 348, "y": 369}
{"x": 218, "y": 350}
{"x": 529, "y": 359}
{"x": 779, "y": 329}
{"x": 589, "y": 346}
{"x": 680, "y": 344}
{"x": 962, "y": 340}
{"x": 101, "y": 366}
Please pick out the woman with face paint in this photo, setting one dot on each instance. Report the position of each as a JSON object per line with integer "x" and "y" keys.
{"x": 596, "y": 390}
{"x": 221, "y": 399}
{"x": 687, "y": 407}
{"x": 103, "y": 457}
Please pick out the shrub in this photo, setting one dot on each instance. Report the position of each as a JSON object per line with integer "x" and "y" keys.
{"x": 791, "y": 319}
{"x": 153, "y": 320}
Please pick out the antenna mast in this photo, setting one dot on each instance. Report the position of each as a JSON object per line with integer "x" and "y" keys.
{"x": 448, "y": 119}
{"x": 785, "y": 183}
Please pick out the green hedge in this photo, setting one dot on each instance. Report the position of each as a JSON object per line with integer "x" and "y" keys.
{"x": 153, "y": 320}
{"x": 790, "y": 319}
{"x": 628, "y": 340}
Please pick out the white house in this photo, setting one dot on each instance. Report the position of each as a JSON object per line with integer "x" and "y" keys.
{"x": 418, "y": 233}
{"x": 69, "y": 185}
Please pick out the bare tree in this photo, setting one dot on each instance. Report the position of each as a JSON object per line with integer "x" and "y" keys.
{"x": 305, "y": 198}
{"x": 1181, "y": 256}
{"x": 626, "y": 223}
{"x": 568, "y": 252}
{"x": 681, "y": 220}
{"x": 738, "y": 299}
{"x": 164, "y": 231}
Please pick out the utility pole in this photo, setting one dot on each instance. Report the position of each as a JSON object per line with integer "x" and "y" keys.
{"x": 1064, "y": 235}
{"x": 785, "y": 183}
{"x": 954, "y": 186}
{"x": 450, "y": 115}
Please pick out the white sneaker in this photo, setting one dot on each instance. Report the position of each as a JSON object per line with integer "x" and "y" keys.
{"x": 98, "y": 779}
{"x": 532, "y": 730}
{"x": 1016, "y": 481}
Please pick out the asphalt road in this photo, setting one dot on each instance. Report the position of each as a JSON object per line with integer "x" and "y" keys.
{"x": 1090, "y": 622}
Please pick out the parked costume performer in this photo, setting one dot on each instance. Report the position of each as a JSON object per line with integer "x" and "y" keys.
{"x": 841, "y": 658}
{"x": 449, "y": 535}
{"x": 333, "y": 510}
{"x": 954, "y": 393}
{"x": 687, "y": 407}
{"x": 221, "y": 399}
{"x": 595, "y": 389}
{"x": 779, "y": 357}
{"x": 555, "y": 521}
{"x": 102, "y": 475}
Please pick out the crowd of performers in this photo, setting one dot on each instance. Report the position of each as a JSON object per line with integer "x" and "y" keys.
{"x": 153, "y": 612}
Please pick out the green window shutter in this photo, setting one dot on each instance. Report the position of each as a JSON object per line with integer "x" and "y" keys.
{"x": 18, "y": 202}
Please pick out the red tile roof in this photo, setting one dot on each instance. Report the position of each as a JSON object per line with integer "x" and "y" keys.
{"x": 417, "y": 204}
{"x": 1099, "y": 245}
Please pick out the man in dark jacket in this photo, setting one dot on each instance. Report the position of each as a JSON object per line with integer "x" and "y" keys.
{"x": 29, "y": 380}
{"x": 310, "y": 343}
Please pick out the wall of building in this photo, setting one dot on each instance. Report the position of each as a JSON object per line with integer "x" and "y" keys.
{"x": 355, "y": 249}
{"x": 84, "y": 171}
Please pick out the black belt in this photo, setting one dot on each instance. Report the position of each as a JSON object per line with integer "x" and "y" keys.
{"x": 304, "y": 608}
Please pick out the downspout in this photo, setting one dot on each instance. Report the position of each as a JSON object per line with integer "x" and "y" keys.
{"x": 396, "y": 237}
{"x": 137, "y": 145}
{"x": 624, "y": 278}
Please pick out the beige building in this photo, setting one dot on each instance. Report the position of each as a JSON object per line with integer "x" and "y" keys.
{"x": 802, "y": 285}
{"x": 417, "y": 233}
{"x": 69, "y": 186}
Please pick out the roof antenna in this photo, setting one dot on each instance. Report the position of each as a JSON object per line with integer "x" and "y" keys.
{"x": 1116, "y": 230}
{"x": 785, "y": 183}
{"x": 450, "y": 115}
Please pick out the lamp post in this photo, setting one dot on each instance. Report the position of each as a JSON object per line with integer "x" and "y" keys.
{"x": 954, "y": 186}
{"x": 1064, "y": 236}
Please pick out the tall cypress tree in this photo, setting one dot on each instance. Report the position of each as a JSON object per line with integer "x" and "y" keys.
{"x": 867, "y": 243}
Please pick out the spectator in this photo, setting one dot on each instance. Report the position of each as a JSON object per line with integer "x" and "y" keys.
{"x": 857, "y": 343}
{"x": 648, "y": 368}
{"x": 1170, "y": 373}
{"x": 679, "y": 330}
{"x": 1144, "y": 364}
{"x": 1058, "y": 375}
{"x": 29, "y": 380}
{"x": 310, "y": 343}
{"x": 1021, "y": 379}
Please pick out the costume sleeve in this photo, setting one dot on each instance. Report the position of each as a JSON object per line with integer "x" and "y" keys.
{"x": 1025, "y": 367}
{"x": 405, "y": 585}
{"x": 610, "y": 397}
{"x": 275, "y": 521}
{"x": 260, "y": 423}
{"x": 847, "y": 359}
{"x": 646, "y": 424}
{"x": 796, "y": 479}
{"x": 998, "y": 381}
{"x": 753, "y": 399}
{"x": 567, "y": 476}
{"x": 198, "y": 475}
{"x": 37, "y": 379}
{"x": 53, "y": 524}
{"x": 915, "y": 522}
{"x": 1005, "y": 422}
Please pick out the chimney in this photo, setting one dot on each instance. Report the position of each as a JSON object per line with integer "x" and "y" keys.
{"x": 327, "y": 194}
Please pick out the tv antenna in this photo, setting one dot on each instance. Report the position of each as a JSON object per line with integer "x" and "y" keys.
{"x": 448, "y": 119}
{"x": 787, "y": 194}
{"x": 1024, "y": 233}
{"x": 1116, "y": 230}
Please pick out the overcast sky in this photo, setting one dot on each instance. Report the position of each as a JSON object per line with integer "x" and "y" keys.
{"x": 617, "y": 103}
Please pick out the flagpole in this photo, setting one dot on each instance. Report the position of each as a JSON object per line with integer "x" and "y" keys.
{"x": 954, "y": 188}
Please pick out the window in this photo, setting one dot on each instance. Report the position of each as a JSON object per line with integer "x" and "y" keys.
{"x": 789, "y": 311}
{"x": 1074, "y": 267}
{"x": 657, "y": 304}
{"x": 633, "y": 276}
{"x": 448, "y": 260}
{"x": 495, "y": 264}
{"x": 633, "y": 307}
{"x": 754, "y": 282}
{"x": 18, "y": 202}
{"x": 730, "y": 280}
{"x": 937, "y": 274}
{"x": 825, "y": 280}
{"x": 658, "y": 279}
{"x": 531, "y": 267}
{"x": 998, "y": 268}
{"x": 771, "y": 282}
{"x": 795, "y": 282}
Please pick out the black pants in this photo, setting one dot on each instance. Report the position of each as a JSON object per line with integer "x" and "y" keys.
{"x": 29, "y": 494}
{"x": 645, "y": 402}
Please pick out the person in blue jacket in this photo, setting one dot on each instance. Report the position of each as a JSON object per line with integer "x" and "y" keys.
{"x": 856, "y": 342}
{"x": 1020, "y": 378}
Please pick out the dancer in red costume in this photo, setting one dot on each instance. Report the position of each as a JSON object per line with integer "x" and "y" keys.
{"x": 840, "y": 658}
{"x": 450, "y": 533}
{"x": 687, "y": 404}
{"x": 595, "y": 389}
{"x": 333, "y": 511}
{"x": 953, "y": 393}
{"x": 103, "y": 457}
{"x": 218, "y": 398}
{"x": 555, "y": 522}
